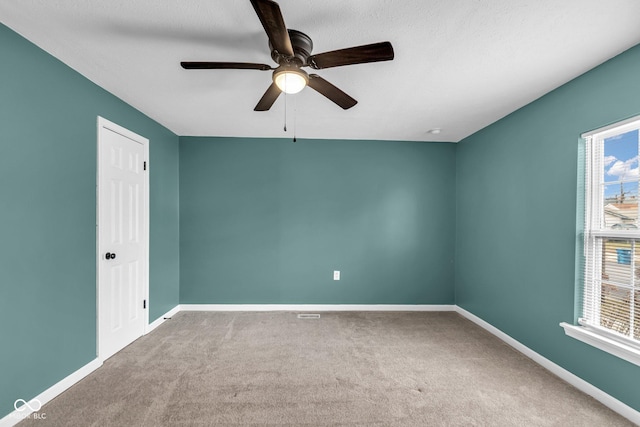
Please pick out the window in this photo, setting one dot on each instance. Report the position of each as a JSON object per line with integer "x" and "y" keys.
{"x": 610, "y": 288}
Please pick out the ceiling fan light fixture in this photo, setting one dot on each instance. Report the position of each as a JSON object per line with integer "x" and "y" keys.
{"x": 290, "y": 79}
{"x": 291, "y": 50}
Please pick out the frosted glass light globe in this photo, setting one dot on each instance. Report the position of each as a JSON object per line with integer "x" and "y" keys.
{"x": 290, "y": 81}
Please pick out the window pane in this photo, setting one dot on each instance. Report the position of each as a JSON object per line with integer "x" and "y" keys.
{"x": 621, "y": 206}
{"x": 615, "y": 305}
{"x": 621, "y": 157}
{"x": 621, "y": 176}
{"x": 616, "y": 261}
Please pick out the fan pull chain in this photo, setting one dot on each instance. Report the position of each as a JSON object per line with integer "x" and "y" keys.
{"x": 295, "y": 117}
{"x": 285, "y": 109}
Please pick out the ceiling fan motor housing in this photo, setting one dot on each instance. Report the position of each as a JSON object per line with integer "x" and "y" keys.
{"x": 302, "y": 47}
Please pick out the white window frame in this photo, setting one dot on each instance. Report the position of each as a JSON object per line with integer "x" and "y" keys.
{"x": 588, "y": 327}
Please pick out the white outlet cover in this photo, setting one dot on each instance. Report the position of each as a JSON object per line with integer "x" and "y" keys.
{"x": 336, "y": 275}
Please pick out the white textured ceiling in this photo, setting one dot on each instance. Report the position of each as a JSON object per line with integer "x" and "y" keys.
{"x": 459, "y": 64}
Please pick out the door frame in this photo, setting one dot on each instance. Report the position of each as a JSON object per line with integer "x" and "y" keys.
{"x": 103, "y": 123}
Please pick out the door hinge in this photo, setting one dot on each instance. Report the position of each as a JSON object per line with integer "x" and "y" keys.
{"x": 144, "y": 303}
{"x": 145, "y": 165}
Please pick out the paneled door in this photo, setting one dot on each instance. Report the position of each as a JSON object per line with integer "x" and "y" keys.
{"x": 122, "y": 237}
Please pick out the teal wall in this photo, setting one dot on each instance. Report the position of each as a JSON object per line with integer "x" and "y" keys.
{"x": 48, "y": 119}
{"x": 268, "y": 220}
{"x": 516, "y": 219}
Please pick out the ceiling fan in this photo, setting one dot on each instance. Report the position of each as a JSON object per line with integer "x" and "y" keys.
{"x": 291, "y": 49}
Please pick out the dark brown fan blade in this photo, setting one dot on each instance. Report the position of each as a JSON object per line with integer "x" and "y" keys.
{"x": 268, "y": 98}
{"x": 271, "y": 18}
{"x": 330, "y": 91}
{"x": 224, "y": 66}
{"x": 382, "y": 51}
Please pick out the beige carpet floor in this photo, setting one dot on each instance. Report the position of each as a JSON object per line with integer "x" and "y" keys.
{"x": 344, "y": 369}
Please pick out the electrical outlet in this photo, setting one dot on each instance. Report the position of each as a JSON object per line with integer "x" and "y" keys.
{"x": 336, "y": 275}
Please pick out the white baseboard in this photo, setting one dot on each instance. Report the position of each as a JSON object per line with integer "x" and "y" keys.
{"x": 316, "y": 307}
{"x": 160, "y": 320}
{"x": 16, "y": 416}
{"x": 604, "y": 398}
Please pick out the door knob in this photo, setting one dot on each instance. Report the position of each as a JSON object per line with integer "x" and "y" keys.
{"x": 110, "y": 255}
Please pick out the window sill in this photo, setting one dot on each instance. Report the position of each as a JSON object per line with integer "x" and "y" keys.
{"x": 591, "y": 337}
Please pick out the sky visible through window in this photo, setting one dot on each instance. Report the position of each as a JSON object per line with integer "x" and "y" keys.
{"x": 621, "y": 166}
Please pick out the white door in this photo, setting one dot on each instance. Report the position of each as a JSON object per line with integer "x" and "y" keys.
{"x": 122, "y": 237}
